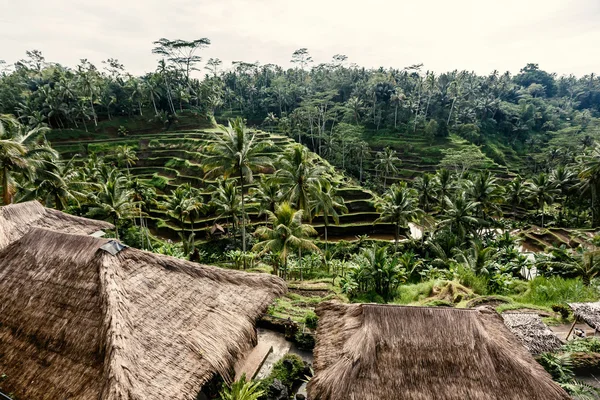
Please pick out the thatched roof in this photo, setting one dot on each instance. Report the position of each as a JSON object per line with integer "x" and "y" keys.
{"x": 532, "y": 332}
{"x": 378, "y": 352}
{"x": 588, "y": 312}
{"x": 17, "y": 219}
{"x": 77, "y": 322}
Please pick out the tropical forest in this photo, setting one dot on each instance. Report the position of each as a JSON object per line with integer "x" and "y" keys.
{"x": 398, "y": 186}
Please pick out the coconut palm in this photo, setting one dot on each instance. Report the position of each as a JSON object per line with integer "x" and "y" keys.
{"x": 21, "y": 152}
{"x": 226, "y": 201}
{"x": 145, "y": 197}
{"x": 59, "y": 184}
{"x": 425, "y": 186}
{"x": 266, "y": 195}
{"x": 443, "y": 185}
{"x": 484, "y": 190}
{"x": 298, "y": 176}
{"x": 178, "y": 205}
{"x": 399, "y": 206}
{"x": 516, "y": 192}
{"x": 385, "y": 163}
{"x": 125, "y": 156}
{"x": 327, "y": 203}
{"x": 459, "y": 215}
{"x": 542, "y": 192}
{"x": 114, "y": 200}
{"x": 287, "y": 234}
{"x": 237, "y": 151}
{"x": 590, "y": 174}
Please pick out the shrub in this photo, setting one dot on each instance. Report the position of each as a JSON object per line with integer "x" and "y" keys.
{"x": 177, "y": 163}
{"x": 590, "y": 345}
{"x": 288, "y": 370}
{"x": 311, "y": 320}
{"x": 159, "y": 182}
{"x": 563, "y": 310}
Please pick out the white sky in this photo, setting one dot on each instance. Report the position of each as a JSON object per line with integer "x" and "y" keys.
{"x": 480, "y": 35}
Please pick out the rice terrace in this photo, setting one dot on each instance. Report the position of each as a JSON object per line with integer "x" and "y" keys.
{"x": 178, "y": 224}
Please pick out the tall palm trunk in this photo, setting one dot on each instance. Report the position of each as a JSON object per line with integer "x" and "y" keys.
{"x": 6, "y": 196}
{"x": 595, "y": 205}
{"x": 451, "y": 109}
{"x": 243, "y": 217}
{"x": 93, "y": 111}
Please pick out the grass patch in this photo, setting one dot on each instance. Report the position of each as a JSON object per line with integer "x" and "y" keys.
{"x": 546, "y": 292}
{"x": 413, "y": 293}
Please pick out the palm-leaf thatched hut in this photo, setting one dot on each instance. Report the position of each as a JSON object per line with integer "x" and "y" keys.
{"x": 587, "y": 312}
{"x": 77, "y": 322}
{"x": 17, "y": 219}
{"x": 532, "y": 332}
{"x": 381, "y": 352}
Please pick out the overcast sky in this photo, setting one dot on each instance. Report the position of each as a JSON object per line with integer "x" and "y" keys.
{"x": 480, "y": 35}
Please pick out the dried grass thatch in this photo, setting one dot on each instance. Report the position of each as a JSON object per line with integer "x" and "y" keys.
{"x": 376, "y": 352}
{"x": 17, "y": 219}
{"x": 532, "y": 332}
{"x": 79, "y": 323}
{"x": 588, "y": 312}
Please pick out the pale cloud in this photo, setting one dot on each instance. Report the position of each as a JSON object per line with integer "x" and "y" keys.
{"x": 479, "y": 35}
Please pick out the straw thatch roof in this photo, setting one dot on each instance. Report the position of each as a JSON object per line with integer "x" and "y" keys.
{"x": 17, "y": 219}
{"x": 79, "y": 323}
{"x": 378, "y": 352}
{"x": 532, "y": 332}
{"x": 588, "y": 312}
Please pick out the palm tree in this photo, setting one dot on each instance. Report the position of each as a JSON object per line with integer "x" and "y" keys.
{"x": 385, "y": 272}
{"x": 542, "y": 191}
{"x": 237, "y": 151}
{"x": 287, "y": 234}
{"x": 178, "y": 205}
{"x": 60, "y": 184}
{"x": 361, "y": 150}
{"x": 459, "y": 216}
{"x": 298, "y": 176}
{"x": 443, "y": 185}
{"x": 327, "y": 203}
{"x": 564, "y": 180}
{"x": 484, "y": 190}
{"x": 114, "y": 200}
{"x": 266, "y": 195}
{"x": 226, "y": 200}
{"x": 590, "y": 174}
{"x": 21, "y": 152}
{"x": 516, "y": 192}
{"x": 399, "y": 206}
{"x": 425, "y": 186}
{"x": 126, "y": 156}
{"x": 386, "y": 162}
{"x": 478, "y": 257}
{"x": 145, "y": 197}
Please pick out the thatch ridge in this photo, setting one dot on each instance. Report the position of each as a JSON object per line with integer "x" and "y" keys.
{"x": 374, "y": 352}
{"x": 532, "y": 332}
{"x": 79, "y": 323}
{"x": 17, "y": 219}
{"x": 588, "y": 312}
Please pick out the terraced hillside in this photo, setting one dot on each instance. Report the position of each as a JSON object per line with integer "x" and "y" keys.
{"x": 419, "y": 155}
{"x": 168, "y": 159}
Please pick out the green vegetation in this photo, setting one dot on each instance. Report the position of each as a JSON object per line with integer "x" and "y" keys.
{"x": 469, "y": 176}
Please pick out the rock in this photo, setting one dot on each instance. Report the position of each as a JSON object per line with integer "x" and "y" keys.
{"x": 277, "y": 391}
{"x": 300, "y": 397}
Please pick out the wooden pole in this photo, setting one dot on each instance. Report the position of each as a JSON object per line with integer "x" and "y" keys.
{"x": 572, "y": 327}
